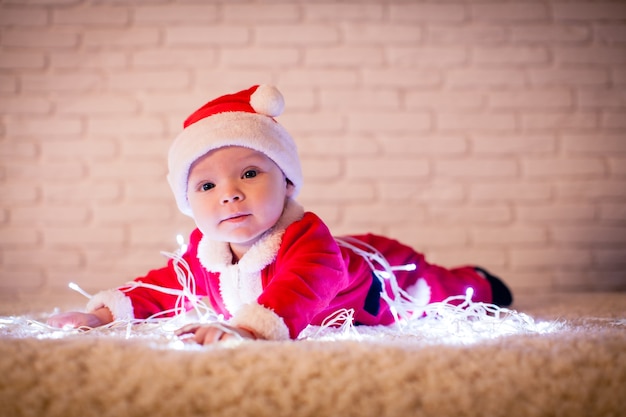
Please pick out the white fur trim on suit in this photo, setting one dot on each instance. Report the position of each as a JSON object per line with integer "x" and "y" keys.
{"x": 249, "y": 130}
{"x": 420, "y": 291}
{"x": 240, "y": 283}
{"x": 116, "y": 301}
{"x": 263, "y": 321}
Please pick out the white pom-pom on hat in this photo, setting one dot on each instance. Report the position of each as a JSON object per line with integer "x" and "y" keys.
{"x": 246, "y": 119}
{"x": 267, "y": 100}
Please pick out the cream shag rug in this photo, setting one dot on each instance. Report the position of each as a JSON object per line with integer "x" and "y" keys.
{"x": 570, "y": 362}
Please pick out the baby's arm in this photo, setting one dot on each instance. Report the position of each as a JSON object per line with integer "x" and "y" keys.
{"x": 76, "y": 319}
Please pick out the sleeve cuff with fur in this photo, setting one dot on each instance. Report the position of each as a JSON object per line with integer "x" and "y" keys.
{"x": 116, "y": 301}
{"x": 262, "y": 321}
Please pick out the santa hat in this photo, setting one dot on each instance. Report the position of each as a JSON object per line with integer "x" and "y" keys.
{"x": 240, "y": 119}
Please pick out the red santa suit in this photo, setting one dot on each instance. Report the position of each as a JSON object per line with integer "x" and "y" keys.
{"x": 295, "y": 275}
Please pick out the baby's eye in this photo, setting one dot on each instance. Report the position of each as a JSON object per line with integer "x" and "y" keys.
{"x": 207, "y": 186}
{"x": 251, "y": 173}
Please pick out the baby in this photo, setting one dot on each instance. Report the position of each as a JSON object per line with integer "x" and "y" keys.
{"x": 264, "y": 264}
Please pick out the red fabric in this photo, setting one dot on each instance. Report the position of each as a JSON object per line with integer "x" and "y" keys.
{"x": 311, "y": 277}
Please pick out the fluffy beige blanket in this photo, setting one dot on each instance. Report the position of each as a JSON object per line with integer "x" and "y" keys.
{"x": 575, "y": 366}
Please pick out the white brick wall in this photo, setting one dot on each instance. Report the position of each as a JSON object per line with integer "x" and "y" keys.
{"x": 483, "y": 132}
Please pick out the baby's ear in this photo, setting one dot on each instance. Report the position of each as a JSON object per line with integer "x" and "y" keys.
{"x": 290, "y": 188}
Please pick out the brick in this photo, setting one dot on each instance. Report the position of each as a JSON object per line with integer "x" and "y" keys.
{"x": 18, "y": 149}
{"x": 150, "y": 80}
{"x": 401, "y": 78}
{"x": 159, "y": 191}
{"x": 617, "y": 166}
{"x": 321, "y": 168}
{"x": 51, "y": 171}
{"x": 344, "y": 56}
{"x": 586, "y": 235}
{"x": 587, "y": 188}
{"x": 309, "y": 35}
{"x": 613, "y": 120}
{"x": 389, "y": 122}
{"x": 385, "y": 34}
{"x": 552, "y": 98}
{"x": 257, "y": 13}
{"x": 613, "y": 212}
{"x": 271, "y": 57}
{"x": 602, "y": 97}
{"x": 8, "y": 83}
{"x": 132, "y": 214}
{"x": 303, "y": 123}
{"x": 78, "y": 192}
{"x": 44, "y": 127}
{"x": 377, "y": 168}
{"x": 466, "y": 34}
{"x": 25, "y": 105}
{"x": 590, "y": 55}
{"x": 604, "y": 144}
{"x": 587, "y": 11}
{"x": 556, "y": 213}
{"x": 337, "y": 192}
{"x": 560, "y": 168}
{"x": 426, "y": 145}
{"x": 221, "y": 35}
{"x": 610, "y": 257}
{"x": 100, "y": 60}
{"x": 445, "y": 100}
{"x": 422, "y": 236}
{"x": 145, "y": 146}
{"x": 176, "y": 13}
{"x": 517, "y": 193}
{"x": 21, "y": 60}
{"x": 355, "y": 11}
{"x": 559, "y": 120}
{"x": 128, "y": 170}
{"x": 33, "y": 38}
{"x": 609, "y": 33}
{"x": 68, "y": 82}
{"x": 550, "y": 33}
{"x": 485, "y": 77}
{"x": 14, "y": 237}
{"x": 349, "y": 145}
{"x": 476, "y": 168}
{"x": 509, "y": 55}
{"x": 122, "y": 38}
{"x": 15, "y": 193}
{"x": 503, "y": 12}
{"x": 23, "y": 278}
{"x": 162, "y": 58}
{"x": 476, "y": 121}
{"x": 427, "y": 12}
{"x": 78, "y": 149}
{"x": 348, "y": 99}
{"x": 108, "y": 235}
{"x": 328, "y": 78}
{"x": 50, "y": 216}
{"x": 514, "y": 144}
{"x": 513, "y": 236}
{"x": 424, "y": 56}
{"x": 381, "y": 215}
{"x": 488, "y": 257}
{"x": 568, "y": 76}
{"x": 93, "y": 15}
{"x": 97, "y": 104}
{"x": 549, "y": 257}
{"x": 23, "y": 17}
{"x": 411, "y": 190}
{"x": 489, "y": 214}
{"x": 124, "y": 125}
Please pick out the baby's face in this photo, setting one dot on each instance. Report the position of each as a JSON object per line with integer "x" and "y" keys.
{"x": 236, "y": 194}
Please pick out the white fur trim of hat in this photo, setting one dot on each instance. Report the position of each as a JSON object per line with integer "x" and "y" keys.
{"x": 242, "y": 119}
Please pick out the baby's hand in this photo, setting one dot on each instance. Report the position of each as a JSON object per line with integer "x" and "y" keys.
{"x": 75, "y": 319}
{"x": 206, "y": 334}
